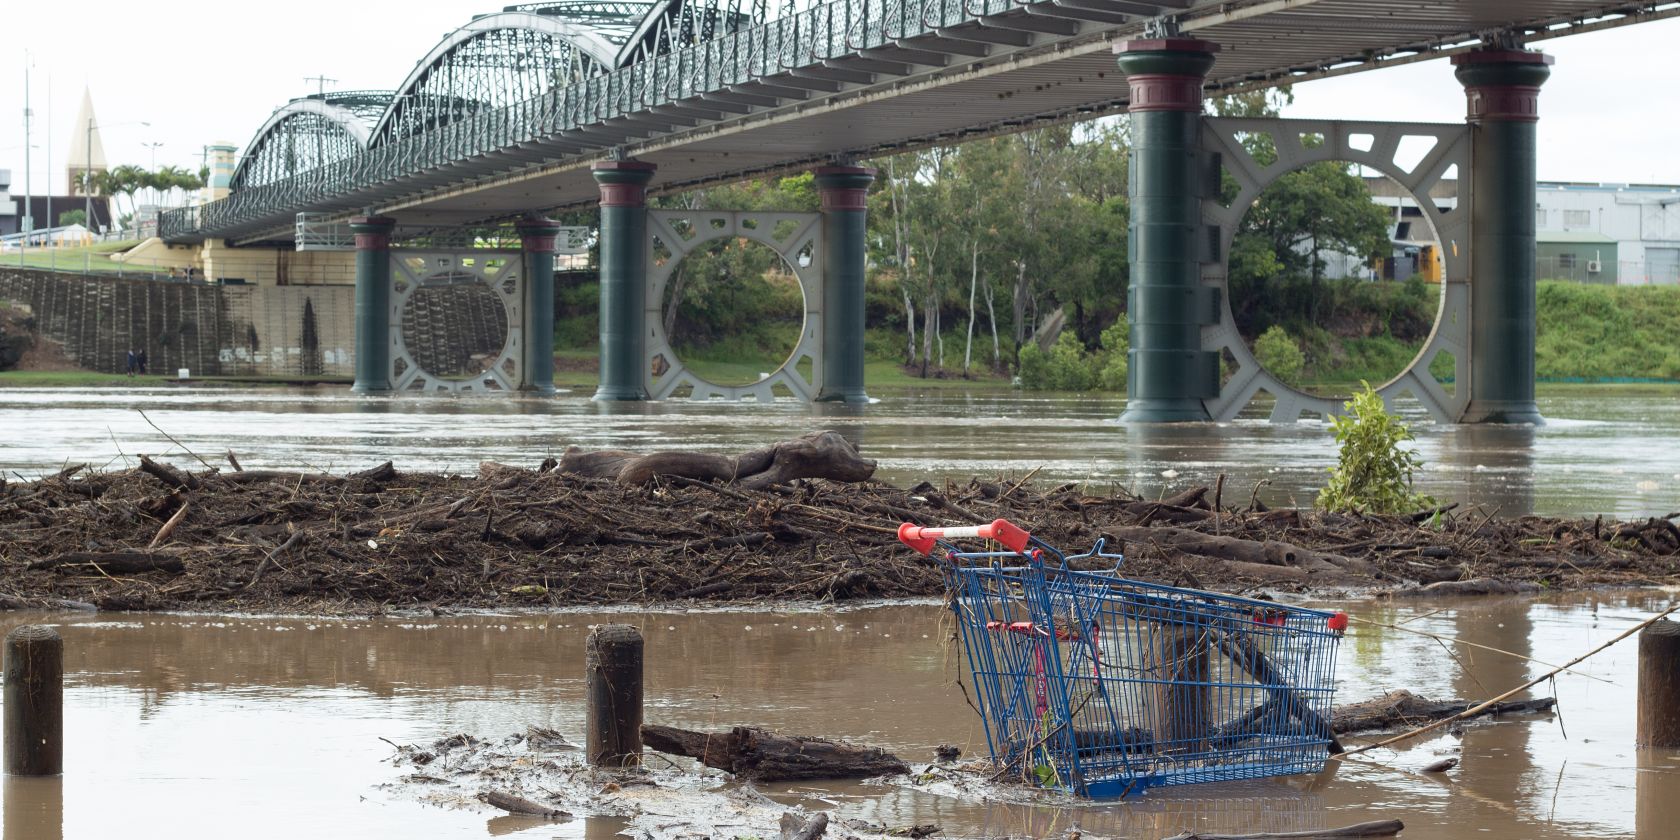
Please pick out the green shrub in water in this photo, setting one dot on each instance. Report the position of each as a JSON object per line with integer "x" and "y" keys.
{"x": 1066, "y": 367}
{"x": 1373, "y": 473}
{"x": 1278, "y": 353}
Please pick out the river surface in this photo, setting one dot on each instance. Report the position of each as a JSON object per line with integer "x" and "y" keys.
{"x": 1612, "y": 454}
{"x": 198, "y": 727}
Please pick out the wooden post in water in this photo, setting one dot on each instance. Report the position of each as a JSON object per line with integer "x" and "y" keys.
{"x": 613, "y": 689}
{"x": 34, "y": 702}
{"x": 1659, "y": 685}
{"x": 1181, "y": 705}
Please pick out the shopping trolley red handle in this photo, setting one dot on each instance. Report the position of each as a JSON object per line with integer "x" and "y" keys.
{"x": 922, "y": 538}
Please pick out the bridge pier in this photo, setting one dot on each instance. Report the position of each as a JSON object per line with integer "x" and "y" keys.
{"x": 537, "y": 236}
{"x": 1503, "y": 88}
{"x": 845, "y": 211}
{"x": 1169, "y": 373}
{"x": 623, "y": 186}
{"x": 373, "y": 303}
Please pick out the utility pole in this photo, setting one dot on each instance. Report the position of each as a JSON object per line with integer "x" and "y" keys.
{"x": 51, "y": 221}
{"x": 28, "y": 223}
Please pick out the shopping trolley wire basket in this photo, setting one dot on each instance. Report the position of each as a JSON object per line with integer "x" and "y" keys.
{"x": 1103, "y": 686}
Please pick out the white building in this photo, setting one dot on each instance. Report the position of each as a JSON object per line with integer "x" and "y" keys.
{"x": 1643, "y": 219}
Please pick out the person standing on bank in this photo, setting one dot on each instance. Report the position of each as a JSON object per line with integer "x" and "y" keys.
{"x": 140, "y": 360}
{"x": 133, "y": 362}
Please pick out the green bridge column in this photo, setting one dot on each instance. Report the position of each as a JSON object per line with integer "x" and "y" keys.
{"x": 373, "y": 303}
{"x": 1169, "y": 374}
{"x": 844, "y": 191}
{"x": 1503, "y": 87}
{"x": 623, "y": 278}
{"x": 537, "y": 236}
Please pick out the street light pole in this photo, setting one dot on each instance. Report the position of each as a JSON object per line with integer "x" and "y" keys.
{"x": 28, "y": 221}
{"x": 156, "y": 196}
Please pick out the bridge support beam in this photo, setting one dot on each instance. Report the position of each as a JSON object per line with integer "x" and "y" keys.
{"x": 623, "y": 277}
{"x": 1503, "y": 87}
{"x": 845, "y": 211}
{"x": 373, "y": 303}
{"x": 537, "y": 235}
{"x": 1169, "y": 373}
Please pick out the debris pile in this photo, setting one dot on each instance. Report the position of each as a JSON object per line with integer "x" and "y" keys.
{"x": 168, "y": 536}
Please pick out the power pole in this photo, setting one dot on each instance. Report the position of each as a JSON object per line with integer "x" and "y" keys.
{"x": 28, "y": 222}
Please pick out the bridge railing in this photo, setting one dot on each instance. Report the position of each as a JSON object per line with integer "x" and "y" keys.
{"x": 416, "y": 162}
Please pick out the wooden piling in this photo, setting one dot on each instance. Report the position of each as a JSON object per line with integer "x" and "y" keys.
{"x": 1659, "y": 685}
{"x": 613, "y": 689}
{"x": 34, "y": 702}
{"x": 1181, "y": 706}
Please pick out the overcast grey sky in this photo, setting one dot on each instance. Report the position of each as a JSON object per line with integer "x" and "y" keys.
{"x": 206, "y": 70}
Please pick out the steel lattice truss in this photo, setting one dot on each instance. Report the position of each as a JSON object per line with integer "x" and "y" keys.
{"x": 684, "y": 23}
{"x": 522, "y": 90}
{"x": 307, "y": 134}
{"x": 492, "y": 63}
{"x": 615, "y": 22}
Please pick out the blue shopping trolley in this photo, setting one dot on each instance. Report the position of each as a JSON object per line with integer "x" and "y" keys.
{"x": 1102, "y": 686}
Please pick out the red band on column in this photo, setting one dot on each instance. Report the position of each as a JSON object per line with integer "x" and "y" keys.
{"x": 539, "y": 235}
{"x": 623, "y": 195}
{"x": 629, "y": 187}
{"x": 372, "y": 233}
{"x": 853, "y": 196}
{"x": 1153, "y": 92}
{"x": 1511, "y": 103}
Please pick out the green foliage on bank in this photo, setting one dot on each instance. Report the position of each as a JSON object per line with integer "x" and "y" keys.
{"x": 1610, "y": 332}
{"x": 1068, "y": 366}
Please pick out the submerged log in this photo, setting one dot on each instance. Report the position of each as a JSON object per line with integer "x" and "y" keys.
{"x": 1403, "y": 708}
{"x": 1377, "y": 828}
{"x": 814, "y": 455}
{"x": 763, "y": 756}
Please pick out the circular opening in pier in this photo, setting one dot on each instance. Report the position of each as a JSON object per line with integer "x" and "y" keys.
{"x": 1336, "y": 277}
{"x": 732, "y": 311}
{"x": 454, "y": 326}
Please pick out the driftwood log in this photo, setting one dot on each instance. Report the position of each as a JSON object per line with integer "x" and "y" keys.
{"x": 1403, "y": 708}
{"x": 796, "y": 827}
{"x": 1250, "y": 554}
{"x": 112, "y": 563}
{"x": 815, "y": 455}
{"x": 763, "y": 756}
{"x": 520, "y": 805}
{"x": 1377, "y": 828}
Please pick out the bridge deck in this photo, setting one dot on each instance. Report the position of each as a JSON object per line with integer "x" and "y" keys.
{"x": 1054, "y": 76}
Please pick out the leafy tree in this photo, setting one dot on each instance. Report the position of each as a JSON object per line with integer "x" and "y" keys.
{"x": 1116, "y": 345}
{"x": 1064, "y": 367}
{"x": 72, "y": 217}
{"x": 1278, "y": 353}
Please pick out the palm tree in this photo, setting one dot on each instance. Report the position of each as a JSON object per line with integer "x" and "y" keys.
{"x": 128, "y": 180}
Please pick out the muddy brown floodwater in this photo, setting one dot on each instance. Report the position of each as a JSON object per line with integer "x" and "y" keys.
{"x": 1609, "y": 452}
{"x": 253, "y": 727}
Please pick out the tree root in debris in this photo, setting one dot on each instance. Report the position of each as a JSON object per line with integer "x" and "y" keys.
{"x": 816, "y": 455}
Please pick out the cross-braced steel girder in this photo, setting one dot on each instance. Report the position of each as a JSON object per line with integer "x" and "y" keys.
{"x": 302, "y": 137}
{"x": 490, "y": 64}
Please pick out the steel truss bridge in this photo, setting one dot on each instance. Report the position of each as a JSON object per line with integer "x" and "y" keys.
{"x": 506, "y": 113}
